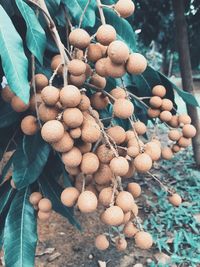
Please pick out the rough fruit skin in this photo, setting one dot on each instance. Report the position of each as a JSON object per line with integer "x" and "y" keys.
{"x": 136, "y": 64}
{"x": 189, "y": 131}
{"x": 116, "y": 134}
{"x": 125, "y": 8}
{"x": 119, "y": 166}
{"x": 45, "y": 205}
{"x": 79, "y": 38}
{"x": 87, "y": 202}
{"x": 155, "y": 102}
{"x": 165, "y": 116}
{"x": 167, "y": 153}
{"x": 64, "y": 144}
{"x": 100, "y": 67}
{"x": 140, "y": 127}
{"x": 50, "y": 95}
{"x": 105, "y": 196}
{"x": 7, "y": 94}
{"x": 35, "y": 99}
{"x": 89, "y": 163}
{"x": 130, "y": 172}
{"x": 76, "y": 67}
{"x": 118, "y": 93}
{"x": 125, "y": 201}
{"x": 176, "y": 148}
{"x": 99, "y": 101}
{"x": 75, "y": 133}
{"x": 77, "y": 80}
{"x": 184, "y": 119}
{"x": 72, "y": 171}
{"x": 103, "y": 175}
{"x": 35, "y": 197}
{"x": 113, "y": 216}
{"x": 174, "y": 121}
{"x": 101, "y": 242}
{"x": 184, "y": 142}
{"x": 153, "y": 113}
{"x": 121, "y": 244}
{"x": 167, "y": 104}
{"x": 174, "y": 135}
{"x": 85, "y": 103}
{"x": 123, "y": 108}
{"x": 143, "y": 163}
{"x": 159, "y": 90}
{"x": 56, "y": 61}
{"x": 130, "y": 230}
{"x": 70, "y": 96}
{"x": 134, "y": 189}
{"x": 143, "y": 240}
{"x": 41, "y": 81}
{"x": 98, "y": 81}
{"x": 18, "y": 105}
{"x": 104, "y": 154}
{"x": 94, "y": 52}
{"x": 118, "y": 52}
{"x": 153, "y": 150}
{"x": 175, "y": 200}
{"x": 90, "y": 132}
{"x": 114, "y": 70}
{"x": 72, "y": 158}
{"x": 85, "y": 147}
{"x": 73, "y": 117}
{"x": 106, "y": 34}
{"x": 69, "y": 196}
{"x": 43, "y": 216}
{"x": 52, "y": 131}
{"x": 29, "y": 125}
{"x": 47, "y": 113}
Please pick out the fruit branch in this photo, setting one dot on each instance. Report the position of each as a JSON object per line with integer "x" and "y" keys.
{"x": 161, "y": 184}
{"x": 102, "y": 17}
{"x": 83, "y": 13}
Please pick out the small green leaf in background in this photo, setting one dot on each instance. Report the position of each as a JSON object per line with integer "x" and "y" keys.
{"x": 29, "y": 160}
{"x": 14, "y": 61}
{"x": 6, "y": 191}
{"x": 35, "y": 35}
{"x": 20, "y": 233}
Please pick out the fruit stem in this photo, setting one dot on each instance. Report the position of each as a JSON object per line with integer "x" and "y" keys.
{"x": 83, "y": 13}
{"x": 54, "y": 74}
{"x": 161, "y": 184}
{"x": 95, "y": 88}
{"x": 112, "y": 202}
{"x": 102, "y": 17}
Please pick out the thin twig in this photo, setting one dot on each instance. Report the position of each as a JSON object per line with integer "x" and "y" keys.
{"x": 102, "y": 17}
{"x": 54, "y": 74}
{"x": 83, "y": 13}
{"x": 161, "y": 184}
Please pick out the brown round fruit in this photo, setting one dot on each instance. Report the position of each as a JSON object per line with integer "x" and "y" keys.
{"x": 106, "y": 34}
{"x": 52, "y": 131}
{"x": 35, "y": 100}
{"x": 133, "y": 151}
{"x": 41, "y": 81}
{"x": 176, "y": 148}
{"x": 72, "y": 158}
{"x": 123, "y": 108}
{"x": 113, "y": 216}
{"x": 143, "y": 240}
{"x": 155, "y": 102}
{"x": 116, "y": 134}
{"x": 7, "y": 94}
{"x": 184, "y": 142}
{"x": 73, "y": 117}
{"x": 125, "y": 201}
{"x": 184, "y": 119}
{"x": 85, "y": 103}
{"x": 134, "y": 189}
{"x": 125, "y": 8}
{"x": 94, "y": 52}
{"x": 35, "y": 197}
{"x": 98, "y": 81}
{"x": 18, "y": 105}
{"x": 87, "y": 202}
{"x": 76, "y": 67}
{"x": 89, "y": 163}
{"x": 174, "y": 135}
{"x": 104, "y": 153}
{"x": 118, "y": 93}
{"x": 165, "y": 116}
{"x": 47, "y": 113}
{"x": 79, "y": 38}
{"x": 143, "y": 163}
{"x": 175, "y": 200}
{"x": 77, "y": 80}
{"x": 50, "y": 95}
{"x": 64, "y": 144}
{"x": 90, "y": 132}
{"x": 103, "y": 175}
{"x": 121, "y": 244}
{"x": 99, "y": 101}
{"x": 140, "y": 127}
{"x": 100, "y": 67}
{"x": 167, "y": 104}
{"x": 174, "y": 121}
{"x": 75, "y": 133}
{"x": 29, "y": 125}
{"x": 45, "y": 205}
{"x": 167, "y": 153}
{"x": 118, "y": 52}
{"x": 57, "y": 64}
{"x": 130, "y": 230}
{"x": 101, "y": 242}
{"x": 153, "y": 150}
{"x": 70, "y": 96}
{"x": 105, "y": 196}
{"x": 114, "y": 70}
{"x": 119, "y": 166}
{"x": 43, "y": 216}
{"x": 153, "y": 113}
{"x": 189, "y": 131}
{"x": 85, "y": 147}
{"x": 69, "y": 196}
{"x": 159, "y": 90}
{"x": 136, "y": 64}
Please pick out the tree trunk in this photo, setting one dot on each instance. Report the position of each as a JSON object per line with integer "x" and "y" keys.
{"x": 186, "y": 69}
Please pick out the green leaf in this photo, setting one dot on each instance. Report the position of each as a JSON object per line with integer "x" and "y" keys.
{"x": 7, "y": 115}
{"x": 29, "y": 160}
{"x": 14, "y": 61}
{"x": 20, "y": 233}
{"x": 35, "y": 35}
{"x": 52, "y": 190}
{"x": 76, "y": 8}
{"x": 6, "y": 192}
{"x": 6, "y": 168}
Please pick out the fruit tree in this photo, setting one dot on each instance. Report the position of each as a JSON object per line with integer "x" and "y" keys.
{"x": 77, "y": 100}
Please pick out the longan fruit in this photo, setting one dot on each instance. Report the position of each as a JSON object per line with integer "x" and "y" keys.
{"x": 69, "y": 196}
{"x": 119, "y": 166}
{"x": 29, "y": 125}
{"x": 116, "y": 134}
{"x": 7, "y": 94}
{"x": 85, "y": 103}
{"x": 98, "y": 81}
{"x": 153, "y": 150}
{"x": 73, "y": 117}
{"x": 159, "y": 90}
{"x": 91, "y": 188}
{"x": 79, "y": 38}
{"x": 121, "y": 244}
{"x": 175, "y": 199}
{"x": 35, "y": 197}
{"x": 76, "y": 67}
{"x": 47, "y": 113}
{"x": 153, "y": 113}
{"x": 43, "y": 216}
{"x": 118, "y": 52}
{"x": 134, "y": 189}
{"x": 104, "y": 153}
{"x": 165, "y": 116}
{"x": 127, "y": 217}
{"x": 118, "y": 93}
{"x": 166, "y": 153}
{"x": 85, "y": 147}
{"x": 94, "y": 52}
{"x": 90, "y": 132}
{"x": 75, "y": 133}
{"x": 123, "y": 108}
{"x": 50, "y": 95}
{"x": 78, "y": 54}
{"x": 45, "y": 205}
{"x": 89, "y": 163}
{"x": 155, "y": 102}
{"x": 114, "y": 70}
{"x": 88, "y": 71}
{"x": 64, "y": 144}
{"x": 103, "y": 175}
{"x": 136, "y": 64}
{"x": 113, "y": 216}
{"x": 70, "y": 96}
{"x": 174, "y": 135}
{"x": 135, "y": 142}
{"x": 87, "y": 202}
{"x": 130, "y": 135}
{"x": 176, "y": 148}
{"x": 184, "y": 142}
{"x": 100, "y": 67}
{"x": 167, "y": 104}
{"x": 99, "y": 101}
{"x": 106, "y": 34}
{"x": 125, "y": 201}
{"x": 189, "y": 131}
{"x": 135, "y": 209}
{"x": 41, "y": 81}
{"x": 184, "y": 119}
{"x": 52, "y": 131}
{"x": 125, "y": 8}
{"x": 55, "y": 62}
{"x": 140, "y": 127}
{"x": 143, "y": 240}
{"x": 72, "y": 158}
{"x": 143, "y": 162}
{"x": 103, "y": 49}
{"x": 174, "y": 121}
{"x": 18, "y": 105}
{"x": 77, "y": 80}
{"x": 130, "y": 230}
{"x": 105, "y": 196}
{"x": 101, "y": 242}
{"x": 130, "y": 172}
{"x": 35, "y": 99}
{"x": 73, "y": 170}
